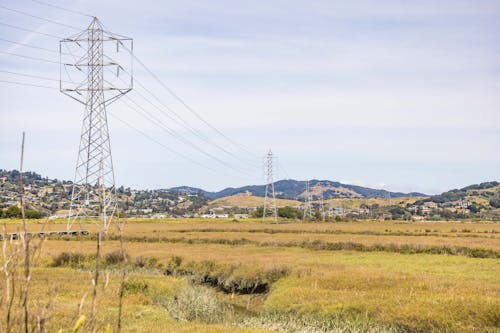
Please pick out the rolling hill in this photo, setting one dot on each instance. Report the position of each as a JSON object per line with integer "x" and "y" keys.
{"x": 486, "y": 194}
{"x": 294, "y": 189}
{"x": 248, "y": 201}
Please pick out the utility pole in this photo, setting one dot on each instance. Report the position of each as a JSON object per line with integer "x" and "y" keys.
{"x": 91, "y": 63}
{"x": 269, "y": 167}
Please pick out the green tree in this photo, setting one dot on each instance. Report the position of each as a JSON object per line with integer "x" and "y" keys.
{"x": 32, "y": 214}
{"x": 258, "y": 212}
{"x": 288, "y": 212}
{"x": 494, "y": 202}
{"x": 13, "y": 212}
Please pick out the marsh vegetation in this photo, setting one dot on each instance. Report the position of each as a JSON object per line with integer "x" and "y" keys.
{"x": 227, "y": 276}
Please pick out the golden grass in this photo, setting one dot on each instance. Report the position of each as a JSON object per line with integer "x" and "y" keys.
{"x": 415, "y": 301}
{"x": 428, "y": 292}
{"x": 68, "y": 287}
{"x": 419, "y": 292}
{"x": 486, "y": 242}
{"x": 296, "y": 258}
{"x": 141, "y": 226}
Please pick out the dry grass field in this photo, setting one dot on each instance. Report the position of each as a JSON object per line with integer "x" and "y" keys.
{"x": 226, "y": 276}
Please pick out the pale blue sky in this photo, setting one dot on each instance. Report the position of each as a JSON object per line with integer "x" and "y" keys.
{"x": 396, "y": 94}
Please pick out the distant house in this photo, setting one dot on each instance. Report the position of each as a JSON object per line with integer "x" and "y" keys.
{"x": 431, "y": 204}
{"x": 240, "y": 216}
{"x": 158, "y": 216}
{"x": 337, "y": 211}
{"x": 212, "y": 215}
{"x": 461, "y": 204}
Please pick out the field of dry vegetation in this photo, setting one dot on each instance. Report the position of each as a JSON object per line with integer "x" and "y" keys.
{"x": 246, "y": 276}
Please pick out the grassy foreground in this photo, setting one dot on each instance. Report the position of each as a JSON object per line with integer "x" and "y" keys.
{"x": 224, "y": 276}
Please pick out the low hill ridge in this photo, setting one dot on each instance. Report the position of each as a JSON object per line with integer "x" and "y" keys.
{"x": 295, "y": 190}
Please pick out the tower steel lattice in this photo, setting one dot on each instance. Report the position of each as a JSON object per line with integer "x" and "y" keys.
{"x": 269, "y": 168}
{"x": 92, "y": 63}
{"x": 307, "y": 205}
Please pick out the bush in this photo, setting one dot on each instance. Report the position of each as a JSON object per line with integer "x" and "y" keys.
{"x": 147, "y": 262}
{"x": 135, "y": 287}
{"x": 200, "y": 304}
{"x": 74, "y": 260}
{"x": 495, "y": 202}
{"x": 289, "y": 213}
{"x": 13, "y": 212}
{"x": 173, "y": 265}
{"x": 115, "y": 257}
{"x": 32, "y": 214}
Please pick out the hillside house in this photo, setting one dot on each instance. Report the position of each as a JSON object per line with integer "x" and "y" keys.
{"x": 464, "y": 204}
{"x": 214, "y": 216}
{"x": 431, "y": 205}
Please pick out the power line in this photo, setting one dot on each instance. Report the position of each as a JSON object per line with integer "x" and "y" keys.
{"x": 184, "y": 124}
{"x": 29, "y": 30}
{"x": 176, "y": 135}
{"x": 282, "y": 168}
{"x": 39, "y": 17}
{"x": 169, "y": 130}
{"x": 189, "y": 108}
{"x": 29, "y": 45}
{"x": 28, "y": 57}
{"x": 28, "y": 84}
{"x": 31, "y": 75}
{"x": 62, "y": 8}
{"x": 161, "y": 144}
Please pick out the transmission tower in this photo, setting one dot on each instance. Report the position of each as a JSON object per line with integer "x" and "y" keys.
{"x": 269, "y": 168}
{"x": 322, "y": 207}
{"x": 92, "y": 62}
{"x": 307, "y": 206}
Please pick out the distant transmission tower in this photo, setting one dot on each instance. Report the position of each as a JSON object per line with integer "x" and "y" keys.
{"x": 269, "y": 168}
{"x": 307, "y": 206}
{"x": 322, "y": 207}
{"x": 92, "y": 62}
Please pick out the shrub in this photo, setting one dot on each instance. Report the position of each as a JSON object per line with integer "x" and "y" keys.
{"x": 13, "y": 212}
{"x": 147, "y": 262}
{"x": 173, "y": 265}
{"x": 71, "y": 259}
{"x": 32, "y": 214}
{"x": 135, "y": 287}
{"x": 200, "y": 304}
{"x": 115, "y": 257}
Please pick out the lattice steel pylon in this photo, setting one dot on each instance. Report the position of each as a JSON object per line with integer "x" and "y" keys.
{"x": 84, "y": 59}
{"x": 307, "y": 204}
{"x": 269, "y": 168}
